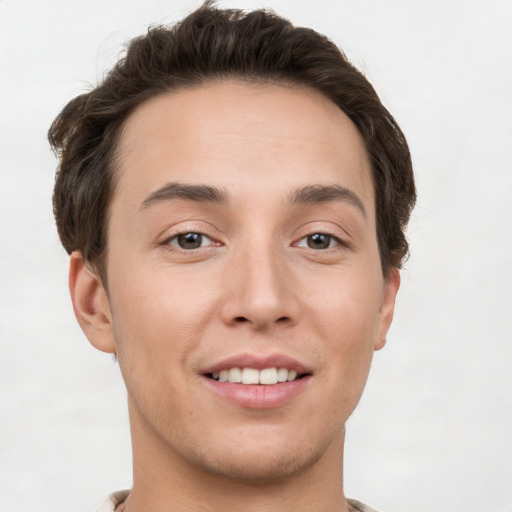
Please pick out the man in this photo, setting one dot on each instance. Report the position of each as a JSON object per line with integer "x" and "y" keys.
{"x": 234, "y": 197}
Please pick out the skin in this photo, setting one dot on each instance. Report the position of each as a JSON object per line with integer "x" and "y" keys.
{"x": 253, "y": 286}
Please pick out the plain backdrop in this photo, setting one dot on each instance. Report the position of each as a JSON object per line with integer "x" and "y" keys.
{"x": 433, "y": 432}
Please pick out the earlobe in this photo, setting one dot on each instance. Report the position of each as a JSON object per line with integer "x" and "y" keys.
{"x": 90, "y": 303}
{"x": 387, "y": 309}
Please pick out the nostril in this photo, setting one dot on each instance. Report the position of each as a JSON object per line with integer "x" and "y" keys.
{"x": 240, "y": 319}
{"x": 283, "y": 319}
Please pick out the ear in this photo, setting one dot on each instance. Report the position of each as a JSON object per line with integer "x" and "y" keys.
{"x": 90, "y": 303}
{"x": 387, "y": 309}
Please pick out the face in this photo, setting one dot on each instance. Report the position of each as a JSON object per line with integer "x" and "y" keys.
{"x": 242, "y": 246}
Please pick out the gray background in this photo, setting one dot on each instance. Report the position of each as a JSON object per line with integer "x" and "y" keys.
{"x": 434, "y": 429}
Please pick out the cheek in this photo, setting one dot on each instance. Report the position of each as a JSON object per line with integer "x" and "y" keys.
{"x": 348, "y": 305}
{"x": 158, "y": 319}
{"x": 153, "y": 296}
{"x": 346, "y": 316}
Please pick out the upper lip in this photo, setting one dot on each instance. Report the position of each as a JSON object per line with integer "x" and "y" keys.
{"x": 258, "y": 363}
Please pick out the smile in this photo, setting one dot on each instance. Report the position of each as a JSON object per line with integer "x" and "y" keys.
{"x": 256, "y": 381}
{"x": 265, "y": 376}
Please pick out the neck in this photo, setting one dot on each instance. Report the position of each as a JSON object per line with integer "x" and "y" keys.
{"x": 165, "y": 481}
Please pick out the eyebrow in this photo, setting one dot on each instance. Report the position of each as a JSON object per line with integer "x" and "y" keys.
{"x": 312, "y": 194}
{"x": 308, "y": 194}
{"x": 199, "y": 193}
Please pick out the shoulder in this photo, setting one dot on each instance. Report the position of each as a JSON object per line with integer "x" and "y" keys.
{"x": 360, "y": 506}
{"x": 111, "y": 502}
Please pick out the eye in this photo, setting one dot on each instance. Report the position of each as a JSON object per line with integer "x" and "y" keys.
{"x": 190, "y": 241}
{"x": 319, "y": 241}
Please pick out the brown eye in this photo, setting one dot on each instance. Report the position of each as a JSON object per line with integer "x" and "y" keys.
{"x": 319, "y": 241}
{"x": 189, "y": 241}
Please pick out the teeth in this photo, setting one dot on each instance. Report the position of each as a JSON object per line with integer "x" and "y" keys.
{"x": 292, "y": 374}
{"x": 282, "y": 375}
{"x": 250, "y": 376}
{"x": 235, "y": 375}
{"x": 267, "y": 376}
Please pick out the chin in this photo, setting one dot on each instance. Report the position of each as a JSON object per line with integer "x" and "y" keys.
{"x": 263, "y": 471}
{"x": 253, "y": 464}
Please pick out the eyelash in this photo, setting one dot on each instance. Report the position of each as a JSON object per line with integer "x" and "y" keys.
{"x": 304, "y": 242}
{"x": 176, "y": 239}
{"x": 330, "y": 239}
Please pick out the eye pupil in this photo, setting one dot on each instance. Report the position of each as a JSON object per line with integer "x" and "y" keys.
{"x": 190, "y": 240}
{"x": 319, "y": 241}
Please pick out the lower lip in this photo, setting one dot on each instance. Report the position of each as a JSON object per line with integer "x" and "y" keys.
{"x": 258, "y": 396}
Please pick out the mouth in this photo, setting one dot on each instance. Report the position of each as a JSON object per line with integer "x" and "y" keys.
{"x": 258, "y": 382}
{"x": 253, "y": 376}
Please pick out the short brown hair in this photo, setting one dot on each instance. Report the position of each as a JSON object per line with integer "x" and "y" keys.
{"x": 215, "y": 44}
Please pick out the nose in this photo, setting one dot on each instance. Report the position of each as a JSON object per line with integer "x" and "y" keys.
{"x": 259, "y": 289}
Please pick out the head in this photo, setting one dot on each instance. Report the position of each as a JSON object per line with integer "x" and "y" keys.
{"x": 210, "y": 45}
{"x": 234, "y": 195}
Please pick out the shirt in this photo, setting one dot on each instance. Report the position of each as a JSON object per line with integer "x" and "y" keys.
{"x": 115, "y": 498}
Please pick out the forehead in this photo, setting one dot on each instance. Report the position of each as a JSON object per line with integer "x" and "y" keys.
{"x": 242, "y": 137}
